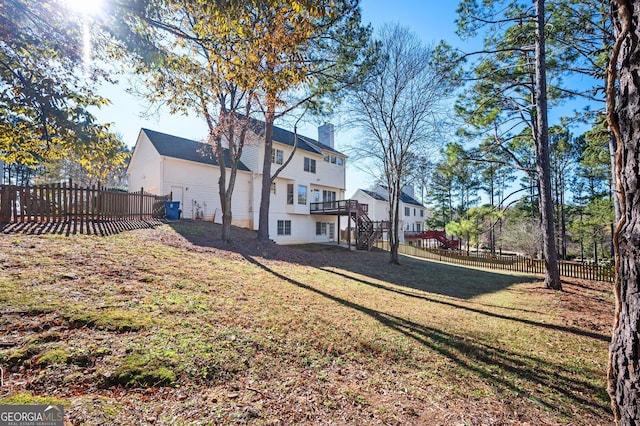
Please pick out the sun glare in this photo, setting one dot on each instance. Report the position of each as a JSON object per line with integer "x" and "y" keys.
{"x": 86, "y": 7}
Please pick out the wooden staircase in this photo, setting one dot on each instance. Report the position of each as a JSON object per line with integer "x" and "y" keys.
{"x": 367, "y": 231}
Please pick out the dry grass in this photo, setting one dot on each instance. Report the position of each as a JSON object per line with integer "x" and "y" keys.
{"x": 170, "y": 326}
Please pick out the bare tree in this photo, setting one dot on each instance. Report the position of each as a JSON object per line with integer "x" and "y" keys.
{"x": 397, "y": 110}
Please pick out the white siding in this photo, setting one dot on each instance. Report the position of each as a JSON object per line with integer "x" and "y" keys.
{"x": 145, "y": 168}
{"x": 199, "y": 183}
{"x": 252, "y": 156}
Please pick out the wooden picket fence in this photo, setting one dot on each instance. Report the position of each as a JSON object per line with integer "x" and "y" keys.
{"x": 68, "y": 202}
{"x": 507, "y": 263}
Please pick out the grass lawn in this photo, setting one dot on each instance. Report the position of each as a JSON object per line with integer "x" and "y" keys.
{"x": 168, "y": 326}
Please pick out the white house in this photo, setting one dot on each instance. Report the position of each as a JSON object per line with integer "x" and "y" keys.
{"x": 163, "y": 164}
{"x": 412, "y": 213}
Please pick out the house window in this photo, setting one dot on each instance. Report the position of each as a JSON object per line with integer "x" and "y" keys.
{"x": 273, "y": 187}
{"x": 309, "y": 165}
{"x": 302, "y": 194}
{"x": 277, "y": 156}
{"x": 418, "y": 227}
{"x": 340, "y": 161}
{"x": 407, "y": 211}
{"x": 321, "y": 228}
{"x": 289, "y": 193}
{"x": 328, "y": 195}
{"x": 325, "y": 157}
{"x": 414, "y": 212}
{"x": 421, "y": 213}
{"x": 315, "y": 195}
{"x": 284, "y": 227}
{"x": 333, "y": 159}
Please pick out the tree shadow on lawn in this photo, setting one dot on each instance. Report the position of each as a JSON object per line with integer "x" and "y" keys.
{"x": 481, "y": 358}
{"x": 424, "y": 275}
{"x": 101, "y": 228}
{"x": 419, "y": 274}
{"x": 424, "y": 297}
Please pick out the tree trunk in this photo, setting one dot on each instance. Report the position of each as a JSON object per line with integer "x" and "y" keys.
{"x": 265, "y": 193}
{"x": 613, "y": 194}
{"x": 394, "y": 210}
{"x": 563, "y": 226}
{"x": 552, "y": 275}
{"x": 624, "y": 366}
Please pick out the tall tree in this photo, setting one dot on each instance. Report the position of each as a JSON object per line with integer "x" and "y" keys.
{"x": 202, "y": 64}
{"x": 563, "y": 155}
{"x": 624, "y": 118}
{"x": 397, "y": 111}
{"x": 45, "y": 101}
{"x": 511, "y": 91}
{"x": 305, "y": 52}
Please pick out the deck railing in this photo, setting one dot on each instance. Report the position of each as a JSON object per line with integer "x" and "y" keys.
{"x": 338, "y": 206}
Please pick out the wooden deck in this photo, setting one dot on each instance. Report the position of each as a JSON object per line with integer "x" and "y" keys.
{"x": 340, "y": 207}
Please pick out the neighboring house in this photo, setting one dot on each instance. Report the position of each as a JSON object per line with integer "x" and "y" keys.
{"x": 188, "y": 169}
{"x": 412, "y": 213}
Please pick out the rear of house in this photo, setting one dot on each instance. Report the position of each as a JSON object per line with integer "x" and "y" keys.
{"x": 188, "y": 169}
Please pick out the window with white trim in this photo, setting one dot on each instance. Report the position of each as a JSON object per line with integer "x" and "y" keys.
{"x": 309, "y": 165}
{"x": 277, "y": 156}
{"x": 289, "y": 193}
{"x": 284, "y": 227}
{"x": 321, "y": 228}
{"x": 302, "y": 194}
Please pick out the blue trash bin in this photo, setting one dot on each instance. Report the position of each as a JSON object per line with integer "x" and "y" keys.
{"x": 172, "y": 210}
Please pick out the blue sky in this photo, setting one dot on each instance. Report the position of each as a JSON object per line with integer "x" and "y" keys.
{"x": 431, "y": 20}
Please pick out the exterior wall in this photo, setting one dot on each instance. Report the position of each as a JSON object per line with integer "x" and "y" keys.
{"x": 303, "y": 228}
{"x": 303, "y": 224}
{"x": 328, "y": 177}
{"x": 379, "y": 210}
{"x": 145, "y": 169}
{"x": 198, "y": 184}
{"x": 414, "y": 222}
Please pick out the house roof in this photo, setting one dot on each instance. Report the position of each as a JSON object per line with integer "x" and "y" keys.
{"x": 374, "y": 195}
{"x": 288, "y": 138}
{"x": 187, "y": 149}
{"x": 404, "y": 197}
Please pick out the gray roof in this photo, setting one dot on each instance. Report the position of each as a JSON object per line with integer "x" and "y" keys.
{"x": 404, "y": 197}
{"x": 288, "y": 138}
{"x": 187, "y": 149}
